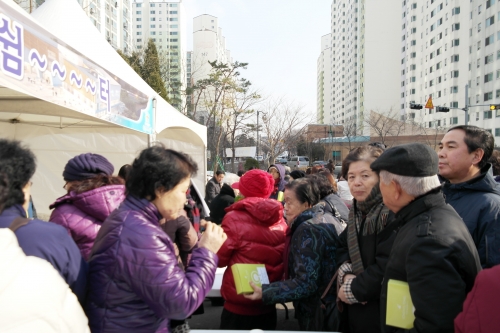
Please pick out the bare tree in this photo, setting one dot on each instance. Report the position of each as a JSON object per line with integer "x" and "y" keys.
{"x": 240, "y": 111}
{"x": 385, "y": 124}
{"x": 280, "y": 125}
{"x": 350, "y": 131}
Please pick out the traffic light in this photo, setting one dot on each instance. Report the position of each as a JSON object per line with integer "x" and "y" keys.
{"x": 416, "y": 106}
{"x": 494, "y": 106}
{"x": 442, "y": 109}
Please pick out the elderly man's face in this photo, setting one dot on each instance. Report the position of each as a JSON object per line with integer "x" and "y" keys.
{"x": 388, "y": 194}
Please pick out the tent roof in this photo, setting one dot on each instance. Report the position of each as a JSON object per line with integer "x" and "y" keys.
{"x": 66, "y": 20}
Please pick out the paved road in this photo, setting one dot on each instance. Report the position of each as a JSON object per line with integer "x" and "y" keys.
{"x": 211, "y": 318}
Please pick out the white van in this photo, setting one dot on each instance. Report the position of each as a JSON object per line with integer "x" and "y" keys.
{"x": 298, "y": 162}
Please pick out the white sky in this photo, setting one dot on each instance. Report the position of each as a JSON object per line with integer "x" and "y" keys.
{"x": 280, "y": 39}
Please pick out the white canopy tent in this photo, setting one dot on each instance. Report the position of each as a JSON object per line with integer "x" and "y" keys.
{"x": 57, "y": 131}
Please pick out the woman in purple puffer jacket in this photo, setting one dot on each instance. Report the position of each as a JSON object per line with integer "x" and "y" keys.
{"x": 135, "y": 282}
{"x": 93, "y": 193}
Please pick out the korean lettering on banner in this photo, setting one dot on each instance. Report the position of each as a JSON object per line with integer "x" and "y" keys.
{"x": 12, "y": 47}
{"x": 104, "y": 92}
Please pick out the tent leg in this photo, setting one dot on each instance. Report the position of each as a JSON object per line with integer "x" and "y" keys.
{"x": 151, "y": 139}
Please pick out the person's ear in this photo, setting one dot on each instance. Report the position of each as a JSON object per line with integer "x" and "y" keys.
{"x": 398, "y": 191}
{"x": 477, "y": 156}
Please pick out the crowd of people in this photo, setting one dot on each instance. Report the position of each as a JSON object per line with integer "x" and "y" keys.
{"x": 137, "y": 252}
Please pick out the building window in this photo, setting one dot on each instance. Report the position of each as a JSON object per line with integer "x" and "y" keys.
{"x": 453, "y": 120}
{"x": 455, "y": 58}
{"x": 454, "y": 90}
{"x": 174, "y": 26}
{"x": 455, "y": 42}
{"x": 455, "y": 11}
{"x": 454, "y": 74}
{"x": 139, "y": 26}
{"x": 488, "y": 96}
{"x": 489, "y": 21}
{"x": 173, "y": 19}
{"x": 488, "y": 77}
{"x": 139, "y": 40}
{"x": 152, "y": 12}
{"x": 153, "y": 26}
{"x": 173, "y": 12}
{"x": 488, "y": 114}
{"x": 138, "y": 12}
{"x": 489, "y": 40}
{"x": 139, "y": 19}
{"x": 455, "y": 26}
{"x": 497, "y": 131}
{"x": 139, "y": 33}
{"x": 489, "y": 3}
{"x": 488, "y": 59}
{"x": 151, "y": 5}
{"x": 173, "y": 33}
{"x": 138, "y": 5}
{"x": 454, "y": 105}
{"x": 153, "y": 32}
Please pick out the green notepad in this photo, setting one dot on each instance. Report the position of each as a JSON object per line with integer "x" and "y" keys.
{"x": 400, "y": 310}
{"x": 244, "y": 273}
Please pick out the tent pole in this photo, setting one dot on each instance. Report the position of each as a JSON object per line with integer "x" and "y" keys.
{"x": 152, "y": 137}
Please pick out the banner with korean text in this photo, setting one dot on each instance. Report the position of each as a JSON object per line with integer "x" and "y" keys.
{"x": 36, "y": 62}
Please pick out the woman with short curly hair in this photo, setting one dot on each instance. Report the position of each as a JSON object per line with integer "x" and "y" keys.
{"x": 135, "y": 283}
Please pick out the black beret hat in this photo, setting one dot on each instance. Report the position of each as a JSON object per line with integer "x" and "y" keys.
{"x": 413, "y": 160}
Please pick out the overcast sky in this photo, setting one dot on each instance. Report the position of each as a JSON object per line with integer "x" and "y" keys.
{"x": 280, "y": 39}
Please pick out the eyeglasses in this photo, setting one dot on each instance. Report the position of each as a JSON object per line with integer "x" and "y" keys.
{"x": 378, "y": 145}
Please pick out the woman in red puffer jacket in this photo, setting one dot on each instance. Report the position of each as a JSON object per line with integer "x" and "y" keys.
{"x": 256, "y": 234}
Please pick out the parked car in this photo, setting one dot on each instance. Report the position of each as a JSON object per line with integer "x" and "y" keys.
{"x": 298, "y": 162}
{"x": 320, "y": 163}
{"x": 283, "y": 161}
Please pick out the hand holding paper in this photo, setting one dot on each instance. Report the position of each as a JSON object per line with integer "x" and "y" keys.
{"x": 257, "y": 292}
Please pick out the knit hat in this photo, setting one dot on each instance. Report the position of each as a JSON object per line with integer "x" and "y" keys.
{"x": 256, "y": 183}
{"x": 86, "y": 166}
{"x": 296, "y": 174}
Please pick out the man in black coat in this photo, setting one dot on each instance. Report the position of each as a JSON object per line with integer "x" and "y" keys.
{"x": 470, "y": 188}
{"x": 433, "y": 251}
{"x": 212, "y": 189}
{"x": 219, "y": 204}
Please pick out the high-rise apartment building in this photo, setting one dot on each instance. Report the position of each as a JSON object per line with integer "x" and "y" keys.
{"x": 364, "y": 60}
{"x": 208, "y": 45}
{"x": 162, "y": 21}
{"x": 113, "y": 20}
{"x": 111, "y": 17}
{"x": 324, "y": 82}
{"x": 446, "y": 46}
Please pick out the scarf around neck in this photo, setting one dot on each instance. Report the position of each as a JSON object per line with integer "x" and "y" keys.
{"x": 374, "y": 214}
